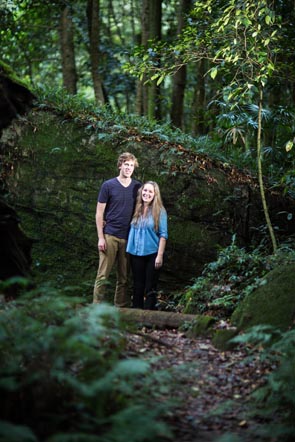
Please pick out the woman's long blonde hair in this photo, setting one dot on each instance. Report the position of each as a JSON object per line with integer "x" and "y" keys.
{"x": 155, "y": 207}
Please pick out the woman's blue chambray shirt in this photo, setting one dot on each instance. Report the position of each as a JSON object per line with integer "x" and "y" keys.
{"x": 142, "y": 239}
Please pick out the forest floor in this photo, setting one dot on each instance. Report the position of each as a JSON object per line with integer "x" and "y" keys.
{"x": 212, "y": 387}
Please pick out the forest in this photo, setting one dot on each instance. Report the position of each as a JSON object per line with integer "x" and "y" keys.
{"x": 203, "y": 93}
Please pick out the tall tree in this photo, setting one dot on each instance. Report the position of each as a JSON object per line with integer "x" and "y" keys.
{"x": 199, "y": 101}
{"x": 243, "y": 55}
{"x": 179, "y": 79}
{"x": 93, "y": 21}
{"x": 142, "y": 89}
{"x": 66, "y": 32}
{"x": 154, "y": 89}
{"x": 148, "y": 95}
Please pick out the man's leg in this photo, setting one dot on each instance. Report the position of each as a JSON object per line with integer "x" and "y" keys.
{"x": 121, "y": 297}
{"x": 106, "y": 262}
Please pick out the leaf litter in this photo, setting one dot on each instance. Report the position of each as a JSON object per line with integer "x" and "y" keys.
{"x": 212, "y": 388}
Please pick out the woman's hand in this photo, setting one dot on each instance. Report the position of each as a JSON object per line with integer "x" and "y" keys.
{"x": 158, "y": 261}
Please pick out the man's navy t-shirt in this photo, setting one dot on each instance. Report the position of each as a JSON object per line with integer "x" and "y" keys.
{"x": 120, "y": 202}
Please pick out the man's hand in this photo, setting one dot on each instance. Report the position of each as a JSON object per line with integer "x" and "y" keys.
{"x": 102, "y": 245}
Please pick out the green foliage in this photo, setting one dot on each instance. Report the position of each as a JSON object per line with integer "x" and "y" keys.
{"x": 64, "y": 376}
{"x": 226, "y": 281}
{"x": 242, "y": 53}
{"x": 110, "y": 124}
{"x": 275, "y": 401}
{"x": 234, "y": 127}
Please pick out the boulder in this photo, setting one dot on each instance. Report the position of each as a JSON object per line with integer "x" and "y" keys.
{"x": 273, "y": 303}
{"x": 15, "y": 258}
{"x": 63, "y": 162}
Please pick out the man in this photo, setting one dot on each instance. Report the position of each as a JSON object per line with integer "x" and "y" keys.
{"x": 114, "y": 211}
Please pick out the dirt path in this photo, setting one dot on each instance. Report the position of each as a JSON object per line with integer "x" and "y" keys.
{"x": 212, "y": 387}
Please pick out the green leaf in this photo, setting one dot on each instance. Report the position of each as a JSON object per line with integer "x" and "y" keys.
{"x": 289, "y": 146}
{"x": 213, "y": 73}
{"x": 160, "y": 79}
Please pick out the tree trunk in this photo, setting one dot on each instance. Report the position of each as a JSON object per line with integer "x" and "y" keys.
{"x": 179, "y": 79}
{"x": 93, "y": 32}
{"x": 142, "y": 94}
{"x": 154, "y": 90}
{"x": 260, "y": 176}
{"x": 67, "y": 48}
{"x": 162, "y": 320}
{"x": 198, "y": 123}
{"x": 148, "y": 95}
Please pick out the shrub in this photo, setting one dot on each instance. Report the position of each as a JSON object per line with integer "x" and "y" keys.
{"x": 226, "y": 281}
{"x": 64, "y": 376}
{"x": 275, "y": 401}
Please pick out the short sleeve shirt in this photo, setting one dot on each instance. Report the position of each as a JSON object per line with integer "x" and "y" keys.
{"x": 120, "y": 202}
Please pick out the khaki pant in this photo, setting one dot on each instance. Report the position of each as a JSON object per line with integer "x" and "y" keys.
{"x": 115, "y": 253}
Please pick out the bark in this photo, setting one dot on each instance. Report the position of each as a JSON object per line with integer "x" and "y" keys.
{"x": 260, "y": 177}
{"x": 148, "y": 95}
{"x": 142, "y": 94}
{"x": 66, "y": 33}
{"x": 161, "y": 319}
{"x": 179, "y": 79}
{"x": 95, "y": 56}
{"x": 154, "y": 90}
{"x": 15, "y": 99}
{"x": 199, "y": 104}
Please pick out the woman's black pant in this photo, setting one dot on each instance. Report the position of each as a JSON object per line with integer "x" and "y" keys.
{"x": 145, "y": 277}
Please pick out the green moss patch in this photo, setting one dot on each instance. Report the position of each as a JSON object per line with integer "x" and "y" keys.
{"x": 222, "y": 339}
{"x": 201, "y": 326}
{"x": 272, "y": 303}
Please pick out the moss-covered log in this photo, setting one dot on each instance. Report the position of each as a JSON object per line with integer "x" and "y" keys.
{"x": 195, "y": 324}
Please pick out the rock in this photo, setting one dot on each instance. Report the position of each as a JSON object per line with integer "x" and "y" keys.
{"x": 272, "y": 303}
{"x": 15, "y": 97}
{"x": 15, "y": 257}
{"x": 222, "y": 338}
{"x": 65, "y": 163}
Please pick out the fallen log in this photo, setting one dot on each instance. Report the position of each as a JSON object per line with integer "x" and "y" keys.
{"x": 196, "y": 324}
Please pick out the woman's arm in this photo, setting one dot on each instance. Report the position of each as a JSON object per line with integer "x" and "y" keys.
{"x": 160, "y": 254}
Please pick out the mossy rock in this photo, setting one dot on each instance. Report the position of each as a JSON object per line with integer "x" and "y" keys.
{"x": 201, "y": 326}
{"x": 222, "y": 339}
{"x": 272, "y": 303}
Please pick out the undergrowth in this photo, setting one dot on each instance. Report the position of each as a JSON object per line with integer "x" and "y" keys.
{"x": 109, "y": 125}
{"x": 226, "y": 281}
{"x": 274, "y": 402}
{"x": 64, "y": 375}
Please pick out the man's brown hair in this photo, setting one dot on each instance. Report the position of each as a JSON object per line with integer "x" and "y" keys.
{"x": 127, "y": 156}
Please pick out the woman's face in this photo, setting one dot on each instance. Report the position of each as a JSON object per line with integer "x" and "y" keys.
{"x": 148, "y": 193}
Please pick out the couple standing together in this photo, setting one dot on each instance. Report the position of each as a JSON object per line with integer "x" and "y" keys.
{"x": 131, "y": 224}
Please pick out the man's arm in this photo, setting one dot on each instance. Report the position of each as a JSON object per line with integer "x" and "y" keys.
{"x": 100, "y": 208}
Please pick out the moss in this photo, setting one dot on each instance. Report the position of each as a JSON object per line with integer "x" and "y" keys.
{"x": 201, "y": 326}
{"x": 272, "y": 303}
{"x": 222, "y": 339}
{"x": 6, "y": 70}
{"x": 188, "y": 233}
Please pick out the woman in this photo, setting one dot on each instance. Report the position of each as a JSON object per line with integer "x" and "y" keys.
{"x": 146, "y": 244}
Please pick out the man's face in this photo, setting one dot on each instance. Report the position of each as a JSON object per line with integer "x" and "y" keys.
{"x": 127, "y": 169}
